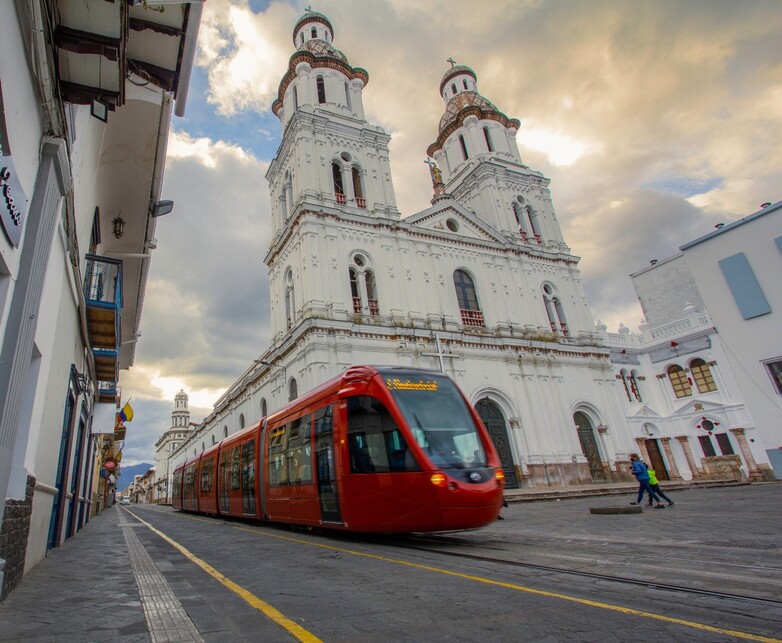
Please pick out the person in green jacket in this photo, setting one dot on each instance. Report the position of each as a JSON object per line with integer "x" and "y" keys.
{"x": 654, "y": 483}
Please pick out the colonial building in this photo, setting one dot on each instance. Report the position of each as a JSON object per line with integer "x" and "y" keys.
{"x": 684, "y": 404}
{"x": 168, "y": 443}
{"x": 87, "y": 92}
{"x": 480, "y": 285}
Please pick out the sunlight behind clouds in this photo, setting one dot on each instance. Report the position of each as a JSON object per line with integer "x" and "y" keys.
{"x": 560, "y": 149}
{"x": 201, "y": 398}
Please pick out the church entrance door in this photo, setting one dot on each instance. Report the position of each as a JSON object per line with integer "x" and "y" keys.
{"x": 492, "y": 417}
{"x": 586, "y": 436}
{"x": 656, "y": 462}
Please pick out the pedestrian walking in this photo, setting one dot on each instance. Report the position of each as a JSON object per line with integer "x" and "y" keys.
{"x": 655, "y": 485}
{"x": 641, "y": 473}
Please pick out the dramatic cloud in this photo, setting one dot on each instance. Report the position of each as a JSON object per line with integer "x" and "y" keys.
{"x": 653, "y": 120}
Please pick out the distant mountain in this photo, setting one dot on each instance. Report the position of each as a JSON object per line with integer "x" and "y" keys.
{"x": 126, "y": 474}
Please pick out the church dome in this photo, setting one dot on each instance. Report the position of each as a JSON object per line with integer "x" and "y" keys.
{"x": 463, "y": 101}
{"x": 312, "y": 17}
{"x": 453, "y": 72}
{"x": 323, "y": 49}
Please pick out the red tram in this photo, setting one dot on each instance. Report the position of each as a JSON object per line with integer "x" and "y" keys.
{"x": 375, "y": 449}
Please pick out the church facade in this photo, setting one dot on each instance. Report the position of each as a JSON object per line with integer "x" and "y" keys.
{"x": 481, "y": 285}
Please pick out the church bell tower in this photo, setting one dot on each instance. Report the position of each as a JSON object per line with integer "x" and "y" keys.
{"x": 482, "y": 169}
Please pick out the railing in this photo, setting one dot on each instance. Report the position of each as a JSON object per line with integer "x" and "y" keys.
{"x": 373, "y": 307}
{"x": 342, "y": 199}
{"x": 472, "y": 317}
{"x": 103, "y": 281}
{"x": 357, "y": 305}
{"x": 361, "y": 203}
{"x": 562, "y": 330}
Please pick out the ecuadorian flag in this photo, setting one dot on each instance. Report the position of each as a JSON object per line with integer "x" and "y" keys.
{"x": 126, "y": 414}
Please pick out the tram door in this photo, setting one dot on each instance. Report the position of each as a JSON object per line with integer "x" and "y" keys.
{"x": 656, "y": 461}
{"x": 586, "y": 436}
{"x": 492, "y": 418}
{"x": 324, "y": 465}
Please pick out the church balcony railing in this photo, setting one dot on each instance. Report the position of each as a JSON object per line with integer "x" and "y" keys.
{"x": 342, "y": 199}
{"x": 357, "y": 305}
{"x": 472, "y": 317}
{"x": 373, "y": 307}
{"x": 562, "y": 330}
{"x": 361, "y": 203}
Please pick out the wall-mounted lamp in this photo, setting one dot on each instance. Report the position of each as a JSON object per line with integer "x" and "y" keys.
{"x": 159, "y": 208}
{"x": 99, "y": 110}
{"x": 118, "y": 226}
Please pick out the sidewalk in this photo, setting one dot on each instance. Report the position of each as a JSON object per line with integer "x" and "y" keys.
{"x": 607, "y": 489}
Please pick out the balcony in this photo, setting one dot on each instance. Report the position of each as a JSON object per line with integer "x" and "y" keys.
{"x": 472, "y": 317}
{"x": 361, "y": 203}
{"x": 342, "y": 199}
{"x": 103, "y": 296}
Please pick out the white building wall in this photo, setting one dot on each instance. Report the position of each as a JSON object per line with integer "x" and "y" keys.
{"x": 748, "y": 342}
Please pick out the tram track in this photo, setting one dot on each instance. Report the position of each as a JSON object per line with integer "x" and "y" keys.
{"x": 410, "y": 543}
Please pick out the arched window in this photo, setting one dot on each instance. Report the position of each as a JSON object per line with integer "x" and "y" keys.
{"x": 533, "y": 222}
{"x": 369, "y": 276}
{"x": 241, "y": 420}
{"x": 464, "y": 82}
{"x": 213, "y": 440}
{"x": 487, "y": 136}
{"x": 203, "y": 446}
{"x": 468, "y": 299}
{"x": 339, "y": 188}
{"x": 679, "y": 381}
{"x": 290, "y": 301}
{"x": 263, "y": 407}
{"x": 314, "y": 32}
{"x": 464, "y": 147}
{"x": 521, "y": 220}
{"x": 321, "y": 84}
{"x": 623, "y": 374}
{"x": 363, "y": 289}
{"x": 348, "y": 102}
{"x": 358, "y": 189}
{"x": 225, "y": 431}
{"x": 554, "y": 310}
{"x": 355, "y": 293}
{"x": 634, "y": 388}
{"x": 301, "y": 38}
{"x": 293, "y": 390}
{"x": 453, "y": 88}
{"x": 701, "y": 373}
{"x": 295, "y": 93}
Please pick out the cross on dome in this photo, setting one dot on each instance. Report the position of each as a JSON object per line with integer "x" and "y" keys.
{"x": 452, "y": 61}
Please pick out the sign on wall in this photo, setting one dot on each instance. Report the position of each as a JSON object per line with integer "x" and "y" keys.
{"x": 13, "y": 200}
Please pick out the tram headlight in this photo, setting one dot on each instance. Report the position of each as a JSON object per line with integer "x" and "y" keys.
{"x": 438, "y": 479}
{"x": 500, "y": 475}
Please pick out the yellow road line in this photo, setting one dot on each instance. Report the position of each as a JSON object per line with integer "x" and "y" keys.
{"x": 530, "y": 590}
{"x": 270, "y": 612}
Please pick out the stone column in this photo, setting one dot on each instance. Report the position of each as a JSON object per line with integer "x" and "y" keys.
{"x": 602, "y": 429}
{"x": 752, "y": 466}
{"x": 674, "y": 470}
{"x": 642, "y": 449}
{"x": 685, "y": 442}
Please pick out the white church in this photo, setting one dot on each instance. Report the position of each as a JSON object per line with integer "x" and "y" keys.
{"x": 481, "y": 285}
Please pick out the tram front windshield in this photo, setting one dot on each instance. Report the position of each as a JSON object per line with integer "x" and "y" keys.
{"x": 438, "y": 418}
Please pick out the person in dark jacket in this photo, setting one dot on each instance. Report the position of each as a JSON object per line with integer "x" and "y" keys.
{"x": 641, "y": 474}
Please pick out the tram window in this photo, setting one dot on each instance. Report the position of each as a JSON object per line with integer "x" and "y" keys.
{"x": 278, "y": 472}
{"x": 225, "y": 480}
{"x": 323, "y": 420}
{"x": 293, "y": 455}
{"x": 190, "y": 478}
{"x": 236, "y": 480}
{"x": 439, "y": 419}
{"x": 248, "y": 464}
{"x": 207, "y": 476}
{"x": 375, "y": 443}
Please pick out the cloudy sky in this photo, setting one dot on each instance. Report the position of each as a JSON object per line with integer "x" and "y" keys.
{"x": 653, "y": 120}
